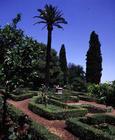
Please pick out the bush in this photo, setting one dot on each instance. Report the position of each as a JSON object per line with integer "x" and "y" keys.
{"x": 87, "y": 98}
{"x": 79, "y": 85}
{"x": 101, "y": 118}
{"x": 103, "y": 92}
{"x": 22, "y": 96}
{"x": 64, "y": 113}
{"x": 42, "y": 132}
{"x": 65, "y": 98}
{"x": 38, "y": 130}
{"x": 56, "y": 102}
{"x": 14, "y": 113}
{"x": 85, "y": 131}
{"x": 91, "y": 108}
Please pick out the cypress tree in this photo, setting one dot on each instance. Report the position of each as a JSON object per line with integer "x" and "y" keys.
{"x": 94, "y": 60}
{"x": 63, "y": 63}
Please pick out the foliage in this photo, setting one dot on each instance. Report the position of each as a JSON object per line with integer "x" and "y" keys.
{"x": 94, "y": 60}
{"x": 55, "y": 109}
{"x": 24, "y": 60}
{"x": 103, "y": 92}
{"x": 93, "y": 89}
{"x": 50, "y": 16}
{"x": 76, "y": 77}
{"x": 80, "y": 128}
{"x": 36, "y": 131}
{"x": 91, "y": 108}
{"x": 101, "y": 118}
{"x": 42, "y": 132}
{"x": 87, "y": 98}
{"x": 64, "y": 98}
{"x": 63, "y": 63}
{"x": 22, "y": 96}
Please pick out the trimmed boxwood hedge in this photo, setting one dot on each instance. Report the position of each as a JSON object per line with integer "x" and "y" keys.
{"x": 66, "y": 113}
{"x": 41, "y": 132}
{"x": 64, "y": 98}
{"x": 86, "y": 98}
{"x": 91, "y": 108}
{"x": 23, "y": 96}
{"x": 85, "y": 131}
{"x": 101, "y": 118}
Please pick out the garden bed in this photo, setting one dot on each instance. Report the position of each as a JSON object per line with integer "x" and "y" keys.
{"x": 55, "y": 109}
{"x": 97, "y": 127}
{"x": 87, "y": 98}
{"x": 34, "y": 130}
{"x": 65, "y": 98}
{"x": 91, "y": 108}
{"x": 23, "y": 94}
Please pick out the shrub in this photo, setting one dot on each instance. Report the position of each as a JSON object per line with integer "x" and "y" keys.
{"x": 87, "y": 98}
{"x": 64, "y": 113}
{"x": 22, "y": 96}
{"x": 85, "y": 131}
{"x": 91, "y": 108}
{"x": 42, "y": 132}
{"x": 79, "y": 85}
{"x": 101, "y": 118}
{"x": 38, "y": 130}
{"x": 14, "y": 113}
{"x": 65, "y": 98}
{"x": 103, "y": 92}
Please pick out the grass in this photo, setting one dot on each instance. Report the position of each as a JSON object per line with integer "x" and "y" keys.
{"x": 51, "y": 107}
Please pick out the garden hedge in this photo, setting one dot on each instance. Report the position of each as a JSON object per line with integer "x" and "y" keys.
{"x": 101, "y": 118}
{"x": 41, "y": 132}
{"x": 67, "y": 112}
{"x": 91, "y": 108}
{"x": 65, "y": 98}
{"x": 22, "y": 96}
{"x": 86, "y": 131}
{"x": 86, "y": 98}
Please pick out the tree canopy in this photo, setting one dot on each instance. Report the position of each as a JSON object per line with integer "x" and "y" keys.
{"x": 94, "y": 60}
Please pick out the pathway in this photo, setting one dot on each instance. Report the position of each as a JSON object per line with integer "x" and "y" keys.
{"x": 55, "y": 126}
{"x": 93, "y": 103}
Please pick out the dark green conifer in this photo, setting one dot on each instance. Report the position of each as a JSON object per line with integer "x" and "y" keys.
{"x": 94, "y": 60}
{"x": 63, "y": 63}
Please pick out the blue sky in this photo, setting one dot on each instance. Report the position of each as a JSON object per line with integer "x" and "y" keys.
{"x": 83, "y": 17}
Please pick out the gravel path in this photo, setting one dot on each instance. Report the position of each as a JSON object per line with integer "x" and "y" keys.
{"x": 55, "y": 126}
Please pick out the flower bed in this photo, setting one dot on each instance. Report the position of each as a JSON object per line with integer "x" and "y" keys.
{"x": 55, "y": 109}
{"x": 100, "y": 127}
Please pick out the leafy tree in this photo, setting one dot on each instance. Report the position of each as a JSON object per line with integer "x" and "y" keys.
{"x": 63, "y": 63}
{"x": 50, "y": 16}
{"x": 94, "y": 60}
{"x": 16, "y": 20}
{"x": 76, "y": 77}
{"x": 9, "y": 37}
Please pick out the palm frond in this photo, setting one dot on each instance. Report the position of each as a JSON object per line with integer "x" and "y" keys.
{"x": 59, "y": 26}
{"x": 50, "y": 15}
{"x": 40, "y": 22}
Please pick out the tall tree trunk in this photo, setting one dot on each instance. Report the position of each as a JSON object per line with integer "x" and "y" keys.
{"x": 48, "y": 57}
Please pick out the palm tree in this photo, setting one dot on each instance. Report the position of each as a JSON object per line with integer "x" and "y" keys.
{"x": 50, "y": 16}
